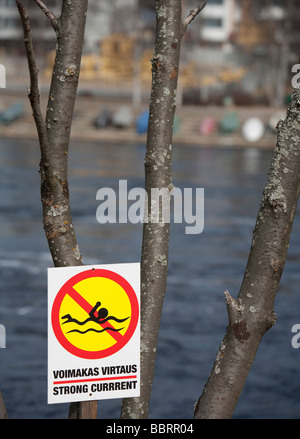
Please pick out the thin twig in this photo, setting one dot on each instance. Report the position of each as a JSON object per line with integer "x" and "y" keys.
{"x": 192, "y": 15}
{"x": 34, "y": 93}
{"x": 53, "y": 20}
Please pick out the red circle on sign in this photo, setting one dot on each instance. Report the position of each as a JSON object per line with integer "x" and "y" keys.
{"x": 65, "y": 343}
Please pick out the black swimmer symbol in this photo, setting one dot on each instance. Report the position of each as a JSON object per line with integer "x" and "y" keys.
{"x": 100, "y": 318}
{"x": 102, "y": 313}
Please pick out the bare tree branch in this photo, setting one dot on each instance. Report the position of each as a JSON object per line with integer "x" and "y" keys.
{"x": 53, "y": 20}
{"x": 192, "y": 15}
{"x": 34, "y": 94}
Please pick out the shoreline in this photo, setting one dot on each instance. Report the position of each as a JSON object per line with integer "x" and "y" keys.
{"x": 88, "y": 107}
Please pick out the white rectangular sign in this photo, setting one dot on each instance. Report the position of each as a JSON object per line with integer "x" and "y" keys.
{"x": 93, "y": 332}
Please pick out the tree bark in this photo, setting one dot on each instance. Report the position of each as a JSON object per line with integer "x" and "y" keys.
{"x": 252, "y": 314}
{"x": 3, "y": 412}
{"x": 158, "y": 174}
{"x": 54, "y": 137}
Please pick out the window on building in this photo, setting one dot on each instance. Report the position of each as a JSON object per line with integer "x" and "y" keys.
{"x": 278, "y": 3}
{"x": 9, "y": 22}
{"x": 213, "y": 22}
{"x": 215, "y": 2}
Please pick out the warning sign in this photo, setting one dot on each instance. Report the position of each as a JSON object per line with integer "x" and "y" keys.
{"x": 93, "y": 332}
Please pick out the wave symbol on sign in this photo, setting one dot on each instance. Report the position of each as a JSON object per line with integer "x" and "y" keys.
{"x": 100, "y": 318}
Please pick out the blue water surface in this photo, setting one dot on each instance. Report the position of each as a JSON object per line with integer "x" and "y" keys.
{"x": 201, "y": 268}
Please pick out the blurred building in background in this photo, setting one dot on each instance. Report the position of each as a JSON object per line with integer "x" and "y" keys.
{"x": 241, "y": 48}
{"x": 103, "y": 19}
{"x": 11, "y": 32}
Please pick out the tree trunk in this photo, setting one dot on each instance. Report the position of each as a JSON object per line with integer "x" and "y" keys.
{"x": 57, "y": 217}
{"x": 158, "y": 174}
{"x": 251, "y": 315}
{"x": 54, "y": 137}
{"x": 3, "y": 412}
{"x": 154, "y": 260}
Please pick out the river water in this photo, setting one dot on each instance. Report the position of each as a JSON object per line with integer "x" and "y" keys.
{"x": 201, "y": 268}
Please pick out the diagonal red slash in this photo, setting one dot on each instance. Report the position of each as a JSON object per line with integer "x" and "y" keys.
{"x": 86, "y": 306}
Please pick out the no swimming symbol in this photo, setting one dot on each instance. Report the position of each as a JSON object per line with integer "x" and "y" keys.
{"x": 95, "y": 314}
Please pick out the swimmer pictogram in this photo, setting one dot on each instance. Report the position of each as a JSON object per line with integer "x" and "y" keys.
{"x": 100, "y": 318}
{"x": 95, "y": 314}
